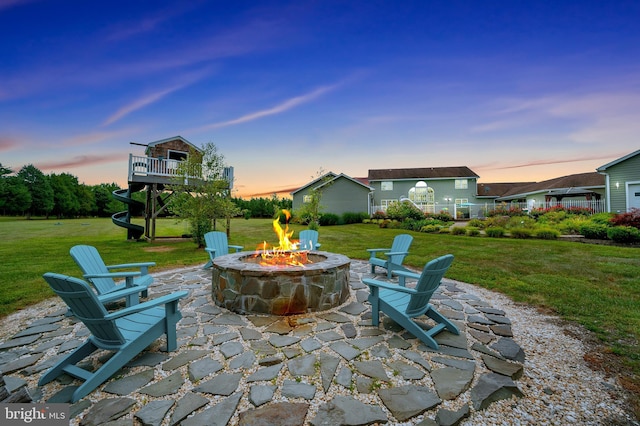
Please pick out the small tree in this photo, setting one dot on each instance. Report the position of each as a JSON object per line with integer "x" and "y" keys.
{"x": 203, "y": 192}
{"x": 311, "y": 210}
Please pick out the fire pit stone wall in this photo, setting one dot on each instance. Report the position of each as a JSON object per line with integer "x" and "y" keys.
{"x": 244, "y": 286}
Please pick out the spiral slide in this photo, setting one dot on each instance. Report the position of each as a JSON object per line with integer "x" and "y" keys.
{"x": 134, "y": 208}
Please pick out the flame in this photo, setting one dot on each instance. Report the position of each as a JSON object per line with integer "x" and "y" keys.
{"x": 286, "y": 253}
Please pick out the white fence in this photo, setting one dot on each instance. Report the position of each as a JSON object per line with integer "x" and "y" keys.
{"x": 470, "y": 210}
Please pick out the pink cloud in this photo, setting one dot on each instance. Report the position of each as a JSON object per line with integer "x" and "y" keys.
{"x": 80, "y": 160}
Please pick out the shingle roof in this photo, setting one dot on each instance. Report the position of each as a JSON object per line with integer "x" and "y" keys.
{"x": 580, "y": 180}
{"x": 499, "y": 189}
{"x": 422, "y": 173}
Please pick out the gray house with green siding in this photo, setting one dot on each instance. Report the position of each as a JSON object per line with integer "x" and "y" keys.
{"x": 622, "y": 183}
{"x": 432, "y": 189}
{"x": 340, "y": 194}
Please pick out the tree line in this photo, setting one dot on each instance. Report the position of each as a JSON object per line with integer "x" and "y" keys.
{"x": 29, "y": 192}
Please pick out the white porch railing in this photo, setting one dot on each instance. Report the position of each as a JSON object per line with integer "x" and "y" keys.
{"x": 149, "y": 166}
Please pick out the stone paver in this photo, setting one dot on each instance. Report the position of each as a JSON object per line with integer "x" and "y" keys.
{"x": 235, "y": 369}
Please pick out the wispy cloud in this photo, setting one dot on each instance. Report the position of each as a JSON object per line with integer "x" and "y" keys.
{"x": 8, "y": 143}
{"x": 547, "y": 162}
{"x": 6, "y": 4}
{"x": 80, "y": 161}
{"x": 148, "y": 23}
{"x": 278, "y": 109}
{"x": 148, "y": 99}
{"x": 96, "y": 137}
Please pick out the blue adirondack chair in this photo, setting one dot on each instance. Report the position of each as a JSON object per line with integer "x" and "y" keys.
{"x": 402, "y": 304}
{"x": 126, "y": 332}
{"x": 308, "y": 240}
{"x": 394, "y": 255}
{"x": 216, "y": 244}
{"x": 101, "y": 276}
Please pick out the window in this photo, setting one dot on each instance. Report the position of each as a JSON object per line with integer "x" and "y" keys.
{"x": 462, "y": 202}
{"x": 386, "y": 186}
{"x": 307, "y": 199}
{"x": 177, "y": 155}
{"x": 462, "y": 184}
{"x": 385, "y": 203}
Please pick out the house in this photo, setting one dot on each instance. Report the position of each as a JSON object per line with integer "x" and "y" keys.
{"x": 582, "y": 189}
{"x": 432, "y": 189}
{"x": 340, "y": 194}
{"x": 622, "y": 182}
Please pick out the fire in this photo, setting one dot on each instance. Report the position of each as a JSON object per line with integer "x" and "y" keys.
{"x": 287, "y": 252}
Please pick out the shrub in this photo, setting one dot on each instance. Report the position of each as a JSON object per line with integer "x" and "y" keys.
{"x": 594, "y": 230}
{"x": 328, "y": 219}
{"x": 497, "y": 221}
{"x": 630, "y": 218}
{"x": 404, "y": 210}
{"x": 444, "y": 217}
{"x": 521, "y": 222}
{"x": 602, "y": 218}
{"x": 505, "y": 210}
{"x": 472, "y": 231}
{"x": 412, "y": 224}
{"x": 520, "y": 233}
{"x": 546, "y": 233}
{"x": 476, "y": 223}
{"x": 624, "y": 234}
{"x": 431, "y": 229}
{"x": 348, "y": 218}
{"x": 553, "y": 216}
{"x": 571, "y": 226}
{"x": 379, "y": 215}
{"x": 494, "y": 232}
{"x": 458, "y": 230}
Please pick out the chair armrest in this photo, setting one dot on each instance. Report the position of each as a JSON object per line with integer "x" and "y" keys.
{"x": 146, "y": 305}
{"x": 210, "y": 250}
{"x": 128, "y": 274}
{"x": 374, "y": 251}
{"x": 132, "y": 265}
{"x": 393, "y": 253}
{"x": 403, "y": 275}
{"x": 119, "y": 294}
{"x": 237, "y": 248}
{"x": 394, "y": 287}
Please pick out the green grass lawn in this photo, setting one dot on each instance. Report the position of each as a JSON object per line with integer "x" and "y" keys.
{"x": 597, "y": 286}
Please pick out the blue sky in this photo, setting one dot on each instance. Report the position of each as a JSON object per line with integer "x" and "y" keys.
{"x": 515, "y": 90}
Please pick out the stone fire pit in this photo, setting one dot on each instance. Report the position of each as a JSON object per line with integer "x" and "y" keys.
{"x": 242, "y": 285}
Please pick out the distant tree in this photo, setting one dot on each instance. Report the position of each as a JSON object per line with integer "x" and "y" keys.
{"x": 203, "y": 201}
{"x": 86, "y": 200}
{"x": 15, "y": 197}
{"x": 65, "y": 195}
{"x": 37, "y": 183}
{"x": 104, "y": 203}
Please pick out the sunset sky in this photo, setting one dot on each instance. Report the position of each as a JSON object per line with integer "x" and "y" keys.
{"x": 515, "y": 90}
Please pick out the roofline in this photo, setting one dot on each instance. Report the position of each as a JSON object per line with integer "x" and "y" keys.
{"x": 313, "y": 182}
{"x": 423, "y": 178}
{"x": 161, "y": 141}
{"x": 347, "y": 177}
{"x": 619, "y": 160}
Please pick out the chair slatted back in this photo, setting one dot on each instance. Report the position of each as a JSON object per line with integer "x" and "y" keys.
{"x": 90, "y": 262}
{"x": 85, "y": 305}
{"x": 308, "y": 239}
{"x": 217, "y": 240}
{"x": 428, "y": 282}
{"x": 401, "y": 243}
